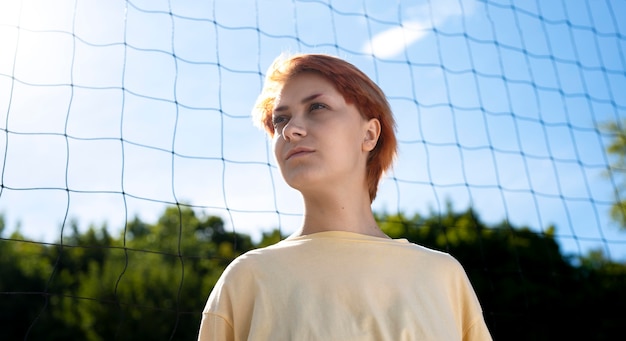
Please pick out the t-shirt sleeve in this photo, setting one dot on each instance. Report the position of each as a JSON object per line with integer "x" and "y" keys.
{"x": 215, "y": 328}
{"x": 477, "y": 332}
{"x": 219, "y": 315}
{"x": 476, "y": 328}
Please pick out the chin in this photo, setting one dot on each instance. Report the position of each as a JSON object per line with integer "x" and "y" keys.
{"x": 304, "y": 181}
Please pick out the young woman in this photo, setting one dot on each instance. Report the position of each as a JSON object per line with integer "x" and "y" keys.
{"x": 339, "y": 277}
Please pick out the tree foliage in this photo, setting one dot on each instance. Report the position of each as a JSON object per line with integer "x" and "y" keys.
{"x": 151, "y": 281}
{"x": 617, "y": 169}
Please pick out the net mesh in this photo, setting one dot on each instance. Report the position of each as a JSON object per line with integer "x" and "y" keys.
{"x": 111, "y": 110}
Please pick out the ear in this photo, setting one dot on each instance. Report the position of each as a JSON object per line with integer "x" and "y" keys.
{"x": 372, "y": 133}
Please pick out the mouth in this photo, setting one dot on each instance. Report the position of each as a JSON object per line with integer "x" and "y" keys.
{"x": 298, "y": 151}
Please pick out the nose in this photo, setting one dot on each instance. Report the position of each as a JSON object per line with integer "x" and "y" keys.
{"x": 294, "y": 129}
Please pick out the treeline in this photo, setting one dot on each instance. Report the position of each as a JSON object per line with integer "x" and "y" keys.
{"x": 151, "y": 281}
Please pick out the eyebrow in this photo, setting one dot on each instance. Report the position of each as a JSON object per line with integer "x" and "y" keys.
{"x": 303, "y": 101}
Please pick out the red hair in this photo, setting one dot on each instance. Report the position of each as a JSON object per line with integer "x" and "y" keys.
{"x": 355, "y": 87}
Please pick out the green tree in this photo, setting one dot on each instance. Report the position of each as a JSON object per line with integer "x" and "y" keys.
{"x": 27, "y": 298}
{"x": 617, "y": 169}
{"x": 154, "y": 284}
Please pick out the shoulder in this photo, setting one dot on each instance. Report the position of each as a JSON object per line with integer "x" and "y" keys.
{"x": 252, "y": 262}
{"x": 440, "y": 266}
{"x": 428, "y": 254}
{"x": 235, "y": 282}
{"x": 243, "y": 263}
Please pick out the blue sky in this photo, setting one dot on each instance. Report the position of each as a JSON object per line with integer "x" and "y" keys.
{"x": 497, "y": 106}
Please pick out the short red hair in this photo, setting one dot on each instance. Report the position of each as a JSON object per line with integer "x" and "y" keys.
{"x": 355, "y": 87}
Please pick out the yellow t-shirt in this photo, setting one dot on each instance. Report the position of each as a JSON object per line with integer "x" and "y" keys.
{"x": 343, "y": 286}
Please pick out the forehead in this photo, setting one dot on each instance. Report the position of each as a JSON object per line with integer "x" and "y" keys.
{"x": 303, "y": 85}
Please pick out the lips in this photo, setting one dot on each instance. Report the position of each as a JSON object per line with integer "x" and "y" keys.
{"x": 297, "y": 151}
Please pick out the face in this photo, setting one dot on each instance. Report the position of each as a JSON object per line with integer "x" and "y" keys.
{"x": 320, "y": 141}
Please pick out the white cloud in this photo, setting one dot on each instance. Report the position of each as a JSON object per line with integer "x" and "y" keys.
{"x": 391, "y": 42}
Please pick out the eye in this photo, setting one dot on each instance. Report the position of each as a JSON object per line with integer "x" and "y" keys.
{"x": 316, "y": 106}
{"x": 278, "y": 121}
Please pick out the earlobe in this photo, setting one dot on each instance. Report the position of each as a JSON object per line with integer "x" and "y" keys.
{"x": 371, "y": 134}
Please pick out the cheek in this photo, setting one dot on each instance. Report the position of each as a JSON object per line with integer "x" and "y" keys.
{"x": 277, "y": 146}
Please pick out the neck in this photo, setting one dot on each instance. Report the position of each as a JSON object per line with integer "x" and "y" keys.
{"x": 339, "y": 213}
